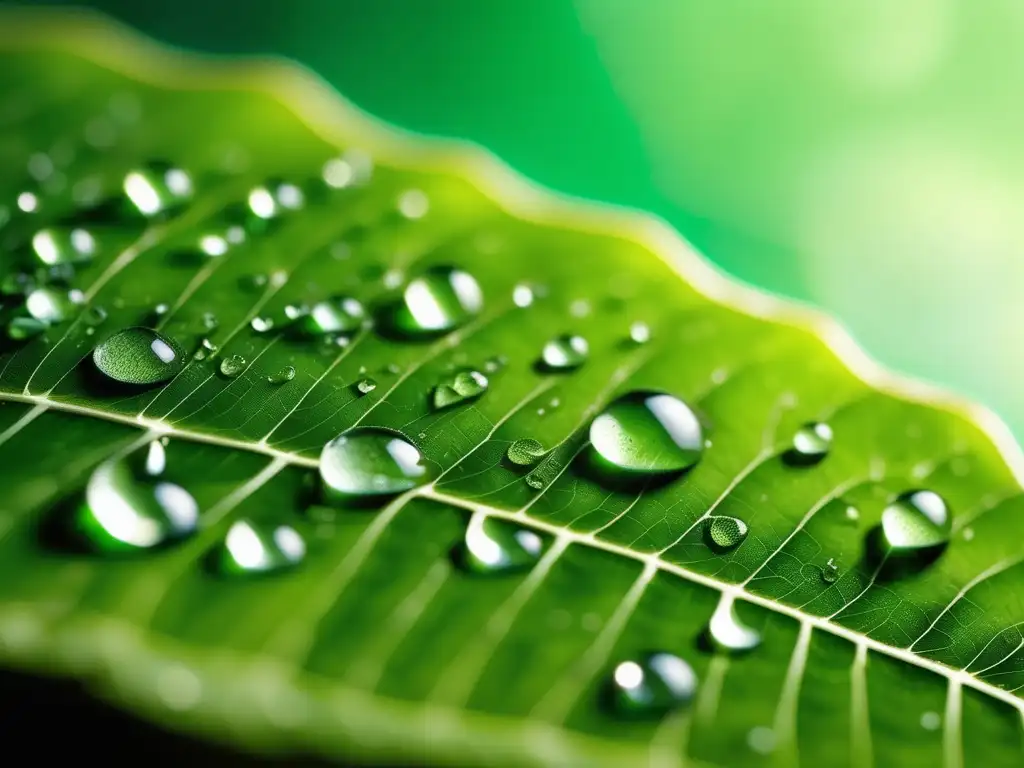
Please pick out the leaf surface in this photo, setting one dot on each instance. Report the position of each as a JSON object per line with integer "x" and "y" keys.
{"x": 381, "y": 644}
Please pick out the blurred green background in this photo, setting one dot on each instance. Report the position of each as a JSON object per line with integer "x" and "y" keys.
{"x": 861, "y": 155}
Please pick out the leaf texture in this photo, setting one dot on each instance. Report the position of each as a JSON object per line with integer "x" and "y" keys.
{"x": 379, "y": 645}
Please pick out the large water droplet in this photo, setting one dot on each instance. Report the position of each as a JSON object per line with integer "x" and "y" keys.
{"x": 440, "y": 299}
{"x": 564, "y": 353}
{"x": 462, "y": 386}
{"x": 723, "y": 533}
{"x": 368, "y": 461}
{"x": 917, "y": 521}
{"x": 525, "y": 452}
{"x": 282, "y": 375}
{"x": 366, "y": 386}
{"x": 341, "y": 314}
{"x": 810, "y": 444}
{"x": 138, "y": 356}
{"x": 250, "y": 548}
{"x": 652, "y": 685}
{"x": 233, "y": 366}
{"x": 647, "y": 433}
{"x": 830, "y": 572}
{"x": 157, "y": 188}
{"x": 498, "y": 546}
{"x": 63, "y": 246}
{"x": 727, "y": 633}
{"x": 128, "y": 508}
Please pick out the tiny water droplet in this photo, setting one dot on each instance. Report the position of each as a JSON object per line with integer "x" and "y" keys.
{"x": 157, "y": 188}
{"x": 525, "y": 452}
{"x": 522, "y": 295}
{"x": 651, "y": 686}
{"x": 810, "y": 445}
{"x": 206, "y": 349}
{"x": 272, "y": 199}
{"x": 852, "y": 514}
{"x": 161, "y": 309}
{"x": 209, "y": 321}
{"x": 369, "y": 461}
{"x": 498, "y": 546}
{"x": 580, "y": 308}
{"x": 213, "y": 245}
{"x": 565, "y": 353}
{"x": 727, "y": 633}
{"x": 262, "y": 324}
{"x": 413, "y": 204}
{"x": 128, "y": 507}
{"x": 441, "y": 299}
{"x": 366, "y": 386}
{"x": 49, "y": 306}
{"x": 254, "y": 282}
{"x": 63, "y": 246}
{"x": 138, "y": 356}
{"x": 28, "y": 202}
{"x": 251, "y": 548}
{"x": 494, "y": 364}
{"x": 639, "y": 333}
{"x": 917, "y": 521}
{"x": 647, "y": 433}
{"x": 233, "y": 366}
{"x": 95, "y": 315}
{"x": 340, "y": 314}
{"x": 931, "y": 721}
{"x": 285, "y": 374}
{"x": 723, "y": 533}
{"x": 761, "y": 739}
{"x": 464, "y": 385}
{"x": 830, "y": 572}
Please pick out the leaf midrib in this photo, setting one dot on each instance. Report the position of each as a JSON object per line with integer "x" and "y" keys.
{"x": 429, "y": 491}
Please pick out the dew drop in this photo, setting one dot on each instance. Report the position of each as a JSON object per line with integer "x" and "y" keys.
{"x": 206, "y": 349}
{"x": 522, "y": 295}
{"x": 368, "y": 462}
{"x": 413, "y": 204}
{"x": 262, "y": 324}
{"x": 252, "y": 548}
{"x": 639, "y": 333}
{"x": 49, "y": 306}
{"x": 138, "y": 356}
{"x": 28, "y": 202}
{"x": 651, "y": 686}
{"x": 439, "y": 300}
{"x": 723, "y": 533}
{"x": 157, "y": 188}
{"x": 285, "y": 374}
{"x": 647, "y": 433}
{"x": 810, "y": 445}
{"x": 525, "y": 452}
{"x": 830, "y": 572}
{"x": 495, "y": 364}
{"x": 727, "y": 633}
{"x": 931, "y": 721}
{"x": 498, "y": 546}
{"x": 366, "y": 386}
{"x": 129, "y": 508}
{"x": 341, "y": 314}
{"x": 233, "y": 366}
{"x": 95, "y": 315}
{"x": 209, "y": 321}
{"x": 564, "y": 353}
{"x": 272, "y": 199}
{"x": 462, "y": 386}
{"x": 63, "y": 246}
{"x": 917, "y": 521}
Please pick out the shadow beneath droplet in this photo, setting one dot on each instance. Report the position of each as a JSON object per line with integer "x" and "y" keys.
{"x": 590, "y": 464}
{"x": 58, "y": 531}
{"x": 893, "y": 565}
{"x": 797, "y": 460}
{"x": 188, "y": 258}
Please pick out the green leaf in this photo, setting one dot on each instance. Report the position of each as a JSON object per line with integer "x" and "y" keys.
{"x": 424, "y": 626}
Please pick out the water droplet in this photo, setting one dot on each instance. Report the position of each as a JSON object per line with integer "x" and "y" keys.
{"x": 341, "y": 314}
{"x": 761, "y": 739}
{"x": 413, "y": 204}
{"x": 95, "y": 315}
{"x": 495, "y": 364}
{"x": 522, "y": 295}
{"x": 129, "y": 508}
{"x": 498, "y": 546}
{"x": 830, "y": 572}
{"x": 254, "y": 282}
{"x": 233, "y": 366}
{"x": 261, "y": 324}
{"x": 287, "y": 373}
{"x": 565, "y": 353}
{"x": 206, "y": 349}
{"x": 440, "y": 299}
{"x": 157, "y": 188}
{"x": 138, "y": 356}
{"x": 464, "y": 385}
{"x": 852, "y": 514}
{"x": 251, "y": 547}
{"x": 579, "y": 308}
{"x": 209, "y": 321}
{"x": 810, "y": 444}
{"x": 917, "y": 521}
{"x": 28, "y": 202}
{"x": 366, "y": 386}
{"x": 63, "y": 246}
{"x": 525, "y": 452}
{"x": 722, "y": 533}
{"x": 49, "y": 306}
{"x": 931, "y": 721}
{"x": 651, "y": 686}
{"x": 639, "y": 333}
{"x": 368, "y": 461}
{"x": 213, "y": 245}
{"x": 645, "y": 432}
{"x": 21, "y": 328}
{"x": 727, "y": 633}
{"x": 272, "y": 199}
